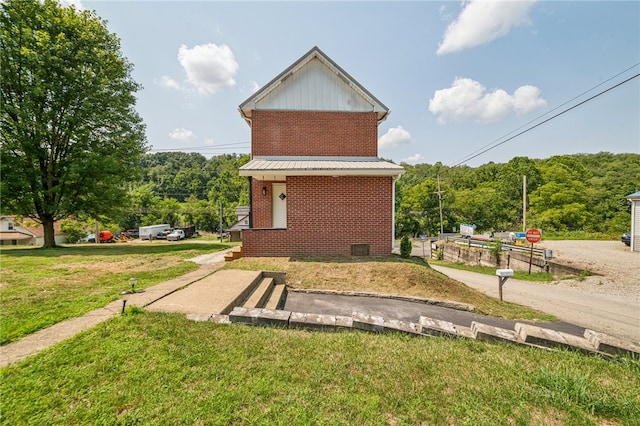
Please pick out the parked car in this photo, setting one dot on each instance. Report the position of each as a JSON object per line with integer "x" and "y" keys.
{"x": 626, "y": 238}
{"x": 131, "y": 233}
{"x": 164, "y": 234}
{"x": 176, "y": 235}
{"x": 91, "y": 238}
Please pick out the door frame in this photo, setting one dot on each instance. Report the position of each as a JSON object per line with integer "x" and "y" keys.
{"x": 278, "y": 205}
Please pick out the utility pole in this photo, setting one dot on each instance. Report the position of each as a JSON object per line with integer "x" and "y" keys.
{"x": 439, "y": 192}
{"x": 220, "y": 220}
{"x": 524, "y": 203}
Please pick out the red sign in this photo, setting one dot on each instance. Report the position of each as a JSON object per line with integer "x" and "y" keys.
{"x": 533, "y": 235}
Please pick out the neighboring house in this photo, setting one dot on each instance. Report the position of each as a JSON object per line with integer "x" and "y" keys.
{"x": 13, "y": 234}
{"x": 317, "y": 186}
{"x": 635, "y": 220}
{"x": 242, "y": 223}
{"x": 25, "y": 232}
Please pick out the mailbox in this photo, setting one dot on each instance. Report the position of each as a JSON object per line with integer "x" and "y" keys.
{"x": 504, "y": 272}
{"x": 503, "y": 276}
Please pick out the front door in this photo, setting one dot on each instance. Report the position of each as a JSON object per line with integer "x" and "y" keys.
{"x": 279, "y": 203}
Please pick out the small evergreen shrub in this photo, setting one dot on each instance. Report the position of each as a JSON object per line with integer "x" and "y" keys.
{"x": 405, "y": 247}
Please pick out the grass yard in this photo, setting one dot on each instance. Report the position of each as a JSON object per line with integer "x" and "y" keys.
{"x": 391, "y": 275}
{"x": 41, "y": 287}
{"x": 158, "y": 369}
{"x": 546, "y": 277}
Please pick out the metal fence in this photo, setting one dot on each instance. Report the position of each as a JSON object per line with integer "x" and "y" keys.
{"x": 470, "y": 242}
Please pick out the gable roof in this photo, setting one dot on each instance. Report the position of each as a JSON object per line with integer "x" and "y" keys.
{"x": 634, "y": 197}
{"x": 31, "y": 227}
{"x": 314, "y": 82}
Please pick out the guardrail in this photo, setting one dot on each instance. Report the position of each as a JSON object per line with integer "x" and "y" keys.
{"x": 471, "y": 242}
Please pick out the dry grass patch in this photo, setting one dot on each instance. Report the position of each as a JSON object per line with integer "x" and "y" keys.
{"x": 130, "y": 264}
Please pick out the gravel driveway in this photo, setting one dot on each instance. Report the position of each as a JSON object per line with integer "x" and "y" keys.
{"x": 615, "y": 268}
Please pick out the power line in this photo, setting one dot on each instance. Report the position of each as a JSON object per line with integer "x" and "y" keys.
{"x": 205, "y": 147}
{"x": 491, "y": 145}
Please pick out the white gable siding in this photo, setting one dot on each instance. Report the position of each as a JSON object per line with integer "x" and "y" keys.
{"x": 314, "y": 88}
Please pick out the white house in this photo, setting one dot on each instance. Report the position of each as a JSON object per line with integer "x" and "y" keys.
{"x": 11, "y": 234}
{"x": 26, "y": 232}
{"x": 635, "y": 220}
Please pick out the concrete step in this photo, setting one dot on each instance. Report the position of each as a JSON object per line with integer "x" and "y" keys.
{"x": 275, "y": 297}
{"x": 235, "y": 253}
{"x": 260, "y": 294}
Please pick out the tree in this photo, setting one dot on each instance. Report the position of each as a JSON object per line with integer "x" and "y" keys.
{"x": 70, "y": 137}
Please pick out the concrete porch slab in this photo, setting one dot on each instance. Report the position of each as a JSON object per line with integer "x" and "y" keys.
{"x": 214, "y": 294}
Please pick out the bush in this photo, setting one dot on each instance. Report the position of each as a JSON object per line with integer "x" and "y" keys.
{"x": 405, "y": 247}
{"x": 73, "y": 230}
{"x": 495, "y": 248}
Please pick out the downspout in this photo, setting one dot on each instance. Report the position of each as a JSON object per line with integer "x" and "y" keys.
{"x": 393, "y": 212}
{"x": 250, "y": 203}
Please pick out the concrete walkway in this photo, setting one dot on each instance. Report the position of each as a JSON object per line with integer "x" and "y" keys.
{"x": 606, "y": 313}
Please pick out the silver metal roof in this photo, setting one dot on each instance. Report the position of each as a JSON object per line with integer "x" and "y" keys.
{"x": 275, "y": 169}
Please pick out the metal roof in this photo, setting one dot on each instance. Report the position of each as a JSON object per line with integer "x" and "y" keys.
{"x": 272, "y": 169}
{"x": 634, "y": 196}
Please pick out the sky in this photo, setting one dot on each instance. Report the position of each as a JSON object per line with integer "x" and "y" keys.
{"x": 458, "y": 77}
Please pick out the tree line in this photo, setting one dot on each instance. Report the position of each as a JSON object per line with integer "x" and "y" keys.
{"x": 581, "y": 192}
{"x": 186, "y": 189}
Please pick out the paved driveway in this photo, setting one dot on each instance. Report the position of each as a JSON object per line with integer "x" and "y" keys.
{"x": 405, "y": 310}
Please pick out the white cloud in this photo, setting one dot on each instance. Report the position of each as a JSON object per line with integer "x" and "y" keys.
{"x": 76, "y": 3}
{"x": 395, "y": 136}
{"x": 481, "y": 22}
{"x": 414, "y": 159}
{"x": 209, "y": 67}
{"x": 254, "y": 86}
{"x": 467, "y": 99}
{"x": 182, "y": 135}
{"x": 166, "y": 81}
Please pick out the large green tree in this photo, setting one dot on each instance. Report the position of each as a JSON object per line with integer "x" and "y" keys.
{"x": 71, "y": 138}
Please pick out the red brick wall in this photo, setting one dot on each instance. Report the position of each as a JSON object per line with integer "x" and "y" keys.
{"x": 261, "y": 208}
{"x": 325, "y": 215}
{"x": 314, "y": 133}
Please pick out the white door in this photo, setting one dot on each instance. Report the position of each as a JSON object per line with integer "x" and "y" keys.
{"x": 279, "y": 203}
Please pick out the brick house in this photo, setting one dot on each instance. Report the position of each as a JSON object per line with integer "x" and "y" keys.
{"x": 317, "y": 186}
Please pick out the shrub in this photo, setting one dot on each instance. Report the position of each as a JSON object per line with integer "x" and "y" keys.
{"x": 73, "y": 230}
{"x": 405, "y": 247}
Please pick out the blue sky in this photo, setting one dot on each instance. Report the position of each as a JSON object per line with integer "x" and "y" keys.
{"x": 457, "y": 76}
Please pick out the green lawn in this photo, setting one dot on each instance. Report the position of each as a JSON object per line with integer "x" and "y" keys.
{"x": 41, "y": 287}
{"x": 491, "y": 270}
{"x": 159, "y": 369}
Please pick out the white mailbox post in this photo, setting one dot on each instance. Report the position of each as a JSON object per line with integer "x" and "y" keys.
{"x": 503, "y": 276}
